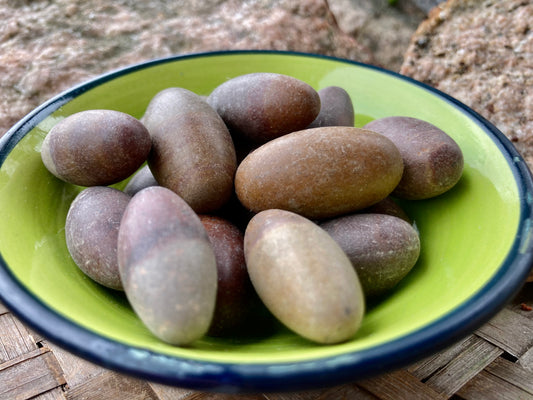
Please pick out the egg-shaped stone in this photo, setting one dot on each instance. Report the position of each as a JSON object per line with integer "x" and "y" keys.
{"x": 91, "y": 233}
{"x": 167, "y": 266}
{"x": 262, "y": 106}
{"x": 433, "y": 161}
{"x": 336, "y": 108}
{"x": 382, "y": 248}
{"x": 303, "y": 277}
{"x": 319, "y": 172}
{"x": 95, "y": 147}
{"x": 192, "y": 150}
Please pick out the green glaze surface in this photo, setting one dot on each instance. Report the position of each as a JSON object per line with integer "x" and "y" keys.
{"x": 465, "y": 233}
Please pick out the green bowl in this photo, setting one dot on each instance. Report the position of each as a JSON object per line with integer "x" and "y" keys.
{"x": 476, "y": 242}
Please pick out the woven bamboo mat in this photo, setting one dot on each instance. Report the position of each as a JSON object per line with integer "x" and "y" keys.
{"x": 495, "y": 362}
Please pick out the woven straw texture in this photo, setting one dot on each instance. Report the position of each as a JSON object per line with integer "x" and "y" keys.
{"x": 495, "y": 362}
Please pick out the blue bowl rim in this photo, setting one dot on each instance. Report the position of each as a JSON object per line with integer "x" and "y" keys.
{"x": 282, "y": 376}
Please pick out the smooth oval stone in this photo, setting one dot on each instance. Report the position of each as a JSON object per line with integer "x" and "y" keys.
{"x": 319, "y": 172}
{"x": 91, "y": 233}
{"x": 433, "y": 161}
{"x": 262, "y": 106}
{"x": 303, "y": 277}
{"x": 192, "y": 151}
{"x": 96, "y": 147}
{"x": 167, "y": 266}
{"x": 336, "y": 108}
{"x": 382, "y": 248}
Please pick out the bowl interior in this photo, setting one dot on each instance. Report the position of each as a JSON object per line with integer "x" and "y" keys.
{"x": 466, "y": 233}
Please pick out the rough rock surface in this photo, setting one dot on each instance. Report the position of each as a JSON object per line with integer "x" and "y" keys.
{"x": 384, "y": 29}
{"x": 481, "y": 52}
{"x": 47, "y": 46}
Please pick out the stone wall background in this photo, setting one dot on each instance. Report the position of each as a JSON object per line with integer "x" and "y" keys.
{"x": 47, "y": 46}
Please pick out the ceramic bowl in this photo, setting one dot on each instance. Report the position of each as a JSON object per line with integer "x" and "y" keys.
{"x": 476, "y": 239}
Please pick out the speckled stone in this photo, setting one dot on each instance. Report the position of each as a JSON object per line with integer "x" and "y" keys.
{"x": 481, "y": 52}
